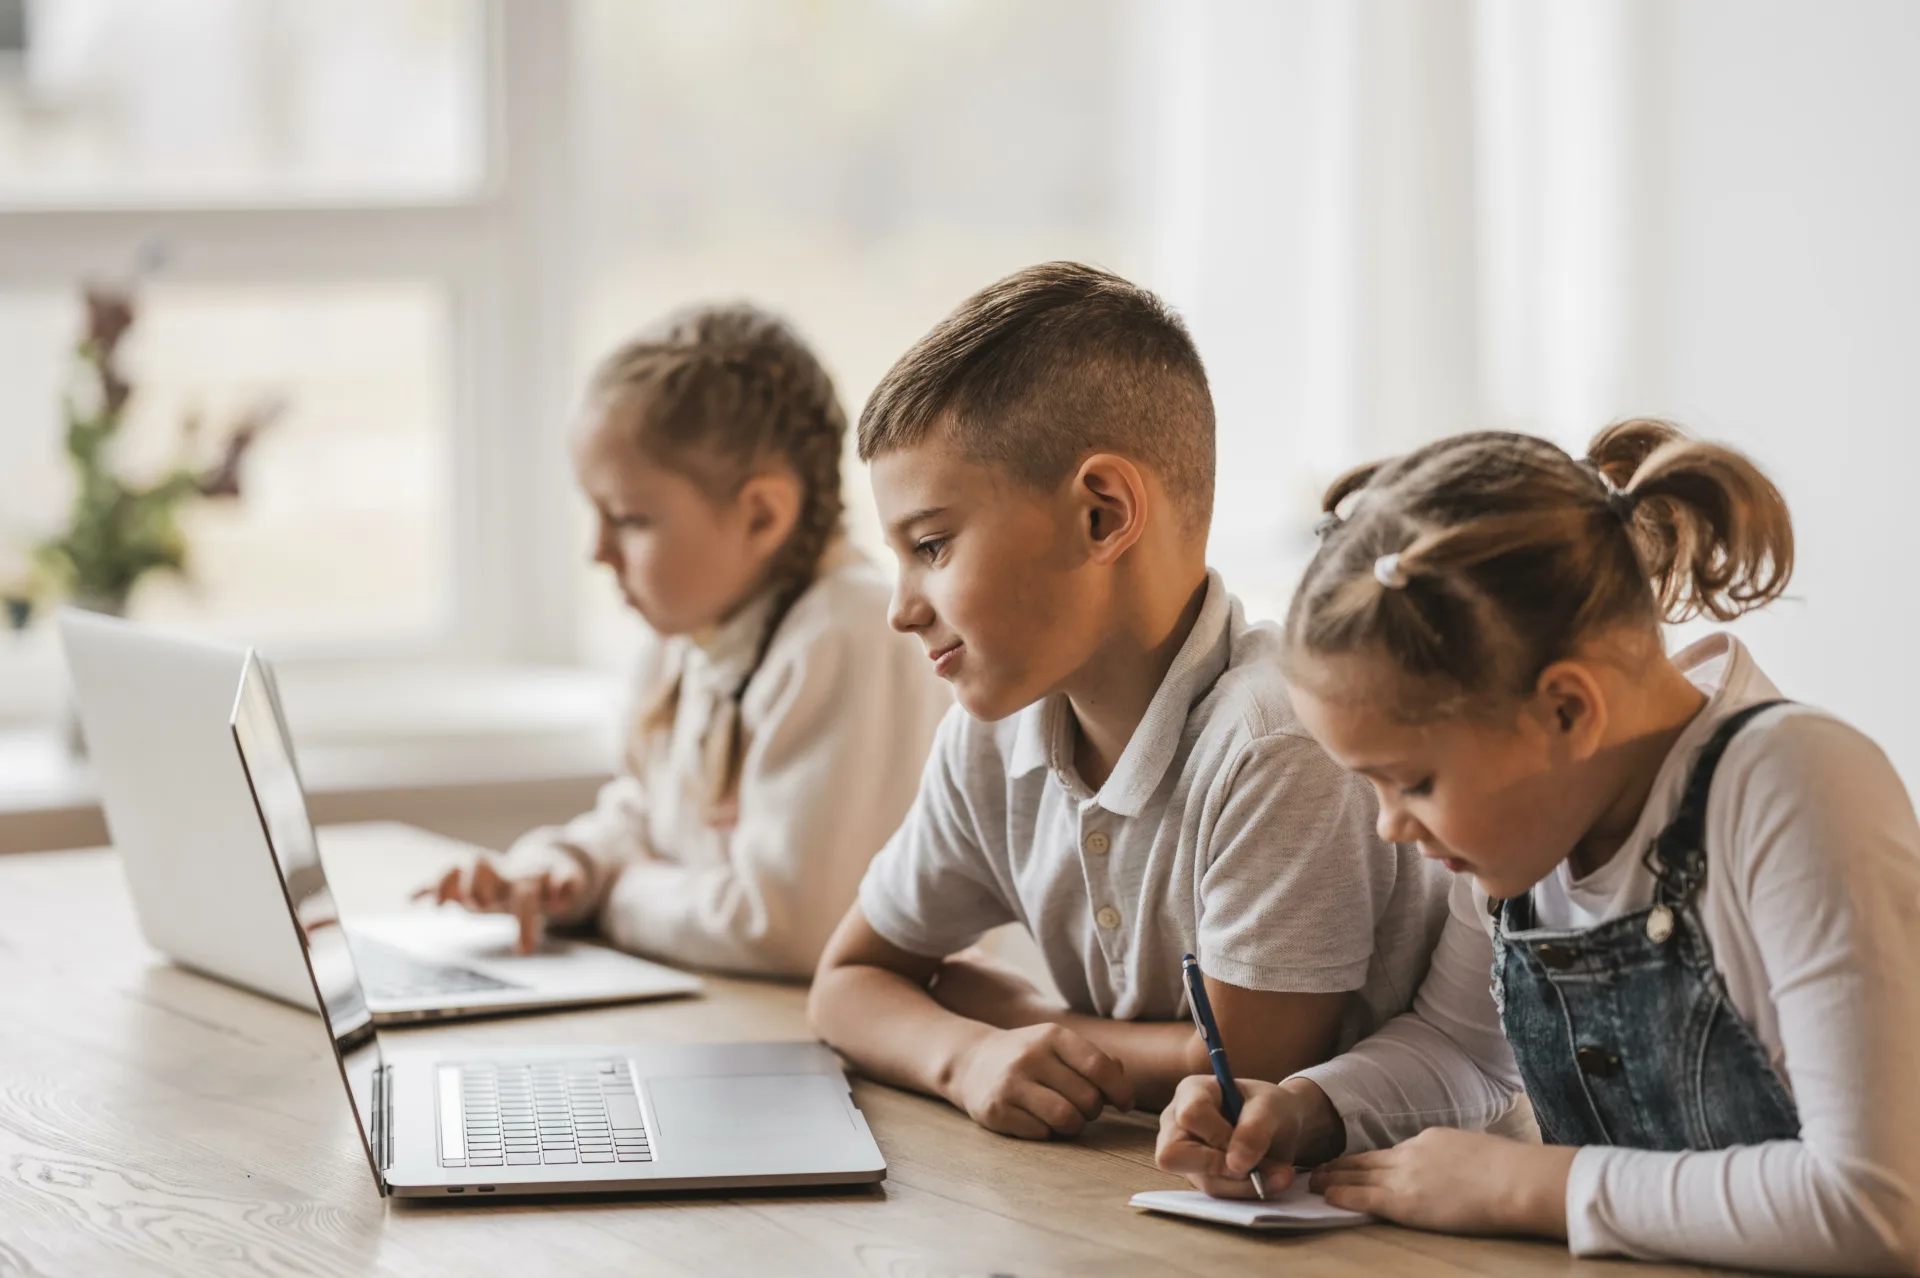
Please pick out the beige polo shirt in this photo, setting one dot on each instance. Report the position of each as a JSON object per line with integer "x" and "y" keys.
{"x": 1224, "y": 830}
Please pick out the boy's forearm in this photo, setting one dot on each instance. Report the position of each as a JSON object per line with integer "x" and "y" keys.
{"x": 889, "y": 1028}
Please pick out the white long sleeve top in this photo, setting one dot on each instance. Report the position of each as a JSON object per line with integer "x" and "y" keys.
{"x": 837, "y": 721}
{"x": 1812, "y": 907}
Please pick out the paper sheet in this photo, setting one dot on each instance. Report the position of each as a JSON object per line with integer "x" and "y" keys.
{"x": 1295, "y": 1209}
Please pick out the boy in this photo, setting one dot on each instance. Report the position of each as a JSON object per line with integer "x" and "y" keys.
{"x": 1124, "y": 773}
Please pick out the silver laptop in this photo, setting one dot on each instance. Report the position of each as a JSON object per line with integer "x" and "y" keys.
{"x": 185, "y": 815}
{"x": 556, "y": 1119}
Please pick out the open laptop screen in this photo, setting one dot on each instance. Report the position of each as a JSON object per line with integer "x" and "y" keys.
{"x": 260, "y": 732}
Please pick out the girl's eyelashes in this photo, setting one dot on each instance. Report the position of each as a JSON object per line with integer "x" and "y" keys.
{"x": 930, "y": 548}
{"x": 1419, "y": 789}
{"x": 628, "y": 521}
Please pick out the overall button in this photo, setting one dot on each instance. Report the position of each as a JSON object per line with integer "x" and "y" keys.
{"x": 1554, "y": 956}
{"x": 1098, "y": 843}
{"x": 1659, "y": 924}
{"x": 1108, "y": 917}
{"x": 1596, "y": 1061}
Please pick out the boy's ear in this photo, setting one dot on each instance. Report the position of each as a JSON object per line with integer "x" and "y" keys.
{"x": 770, "y": 501}
{"x": 1110, "y": 497}
{"x": 1571, "y": 708}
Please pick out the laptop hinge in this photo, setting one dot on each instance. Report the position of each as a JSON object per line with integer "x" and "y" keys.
{"x": 383, "y": 1120}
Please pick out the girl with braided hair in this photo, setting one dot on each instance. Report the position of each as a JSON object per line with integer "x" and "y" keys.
{"x": 1699, "y": 903}
{"x": 783, "y": 723}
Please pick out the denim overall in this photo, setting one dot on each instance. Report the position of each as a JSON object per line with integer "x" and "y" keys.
{"x": 1623, "y": 1032}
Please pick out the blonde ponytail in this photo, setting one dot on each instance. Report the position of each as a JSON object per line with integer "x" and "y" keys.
{"x": 1712, "y": 530}
{"x": 1477, "y": 561}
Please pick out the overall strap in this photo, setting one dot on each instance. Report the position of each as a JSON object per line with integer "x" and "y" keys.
{"x": 1678, "y": 857}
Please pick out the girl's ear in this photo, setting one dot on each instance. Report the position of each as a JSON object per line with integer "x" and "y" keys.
{"x": 1571, "y": 708}
{"x": 769, "y": 506}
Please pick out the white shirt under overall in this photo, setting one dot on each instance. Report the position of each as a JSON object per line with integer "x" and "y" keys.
{"x": 1812, "y": 907}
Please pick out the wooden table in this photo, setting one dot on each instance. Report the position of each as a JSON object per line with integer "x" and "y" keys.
{"x": 155, "y": 1122}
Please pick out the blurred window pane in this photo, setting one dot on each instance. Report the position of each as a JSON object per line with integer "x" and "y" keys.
{"x": 231, "y": 101}
{"x": 340, "y": 535}
{"x": 860, "y": 166}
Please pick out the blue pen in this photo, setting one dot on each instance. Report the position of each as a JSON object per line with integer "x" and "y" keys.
{"x": 1216, "y": 1052}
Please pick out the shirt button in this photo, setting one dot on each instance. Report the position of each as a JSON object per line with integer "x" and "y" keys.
{"x": 1108, "y": 917}
{"x": 1098, "y": 843}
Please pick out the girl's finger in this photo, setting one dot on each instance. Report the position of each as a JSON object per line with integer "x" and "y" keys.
{"x": 1374, "y": 1200}
{"x": 1196, "y": 1111}
{"x": 523, "y": 902}
{"x": 1184, "y": 1156}
{"x": 1252, "y": 1139}
{"x": 485, "y": 888}
{"x": 1224, "y": 1186}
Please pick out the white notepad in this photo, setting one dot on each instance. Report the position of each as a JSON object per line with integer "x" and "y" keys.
{"x": 1295, "y": 1210}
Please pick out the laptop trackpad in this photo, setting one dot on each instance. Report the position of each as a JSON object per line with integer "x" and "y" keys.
{"x": 750, "y": 1110}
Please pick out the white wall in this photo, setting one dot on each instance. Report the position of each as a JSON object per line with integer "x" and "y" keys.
{"x": 1394, "y": 219}
{"x": 1780, "y": 291}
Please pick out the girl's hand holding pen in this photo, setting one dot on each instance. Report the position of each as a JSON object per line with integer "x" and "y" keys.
{"x": 1280, "y": 1125}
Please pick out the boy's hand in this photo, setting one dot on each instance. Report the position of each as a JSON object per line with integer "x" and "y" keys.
{"x": 1037, "y": 1082}
{"x": 1276, "y": 1126}
{"x": 553, "y": 887}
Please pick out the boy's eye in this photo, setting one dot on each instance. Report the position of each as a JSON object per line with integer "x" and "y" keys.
{"x": 1419, "y": 789}
{"x": 930, "y": 549}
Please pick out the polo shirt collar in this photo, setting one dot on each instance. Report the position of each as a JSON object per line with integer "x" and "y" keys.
{"x": 1043, "y": 737}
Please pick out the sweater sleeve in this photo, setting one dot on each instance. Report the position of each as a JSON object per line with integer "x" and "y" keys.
{"x": 833, "y": 751}
{"x": 1820, "y": 841}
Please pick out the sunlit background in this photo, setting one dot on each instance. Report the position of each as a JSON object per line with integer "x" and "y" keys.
{"x": 417, "y": 222}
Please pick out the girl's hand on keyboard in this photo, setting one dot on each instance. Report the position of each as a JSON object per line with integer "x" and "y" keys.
{"x": 531, "y": 895}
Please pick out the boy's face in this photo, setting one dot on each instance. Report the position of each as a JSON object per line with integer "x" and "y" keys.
{"x": 994, "y": 577}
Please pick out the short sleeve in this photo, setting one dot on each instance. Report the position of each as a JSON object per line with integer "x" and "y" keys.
{"x": 1295, "y": 877}
{"x": 932, "y": 891}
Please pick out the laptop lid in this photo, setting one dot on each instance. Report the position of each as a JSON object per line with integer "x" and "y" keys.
{"x": 294, "y": 855}
{"x": 157, "y": 711}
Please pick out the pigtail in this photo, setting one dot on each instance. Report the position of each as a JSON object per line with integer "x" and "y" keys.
{"x": 1712, "y": 531}
{"x": 1347, "y": 485}
{"x": 717, "y": 391}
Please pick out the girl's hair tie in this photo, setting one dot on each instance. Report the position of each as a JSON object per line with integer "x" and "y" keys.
{"x": 1326, "y": 524}
{"x": 1619, "y": 500}
{"x": 1387, "y": 571}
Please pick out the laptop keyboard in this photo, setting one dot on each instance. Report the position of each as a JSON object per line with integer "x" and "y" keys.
{"x": 543, "y": 1112}
{"x": 390, "y": 974}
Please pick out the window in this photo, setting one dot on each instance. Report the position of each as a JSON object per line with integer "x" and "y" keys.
{"x": 204, "y": 102}
{"x": 859, "y": 168}
{"x": 342, "y": 533}
{"x": 327, "y": 193}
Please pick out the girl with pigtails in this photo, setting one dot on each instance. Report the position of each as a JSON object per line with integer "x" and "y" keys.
{"x": 1687, "y": 914}
{"x": 783, "y": 724}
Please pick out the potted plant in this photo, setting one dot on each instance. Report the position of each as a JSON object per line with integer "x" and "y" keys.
{"x": 118, "y": 530}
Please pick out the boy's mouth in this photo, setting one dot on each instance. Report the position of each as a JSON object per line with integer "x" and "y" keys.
{"x": 947, "y": 659}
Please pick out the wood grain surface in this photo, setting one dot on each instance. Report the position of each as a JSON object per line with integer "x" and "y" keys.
{"x": 153, "y": 1121}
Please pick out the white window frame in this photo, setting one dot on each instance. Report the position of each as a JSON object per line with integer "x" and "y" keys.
{"x": 503, "y": 255}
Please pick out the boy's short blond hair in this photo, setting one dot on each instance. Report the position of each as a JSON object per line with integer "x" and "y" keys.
{"x": 1048, "y": 365}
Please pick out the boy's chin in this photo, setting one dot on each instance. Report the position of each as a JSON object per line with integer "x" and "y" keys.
{"x": 988, "y": 703}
